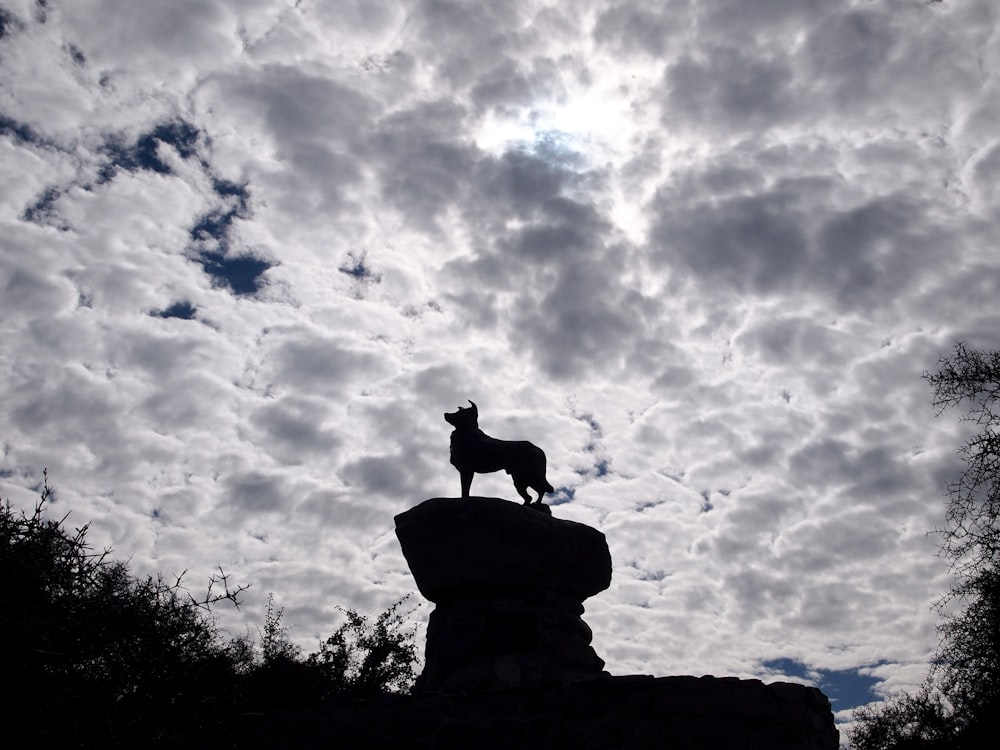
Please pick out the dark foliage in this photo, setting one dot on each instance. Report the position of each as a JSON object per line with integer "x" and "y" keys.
{"x": 959, "y": 705}
{"x": 972, "y": 540}
{"x": 967, "y": 666}
{"x": 93, "y": 656}
{"x": 905, "y": 722}
{"x": 363, "y": 658}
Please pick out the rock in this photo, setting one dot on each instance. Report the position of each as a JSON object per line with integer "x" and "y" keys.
{"x": 454, "y": 545}
{"x": 679, "y": 713}
{"x": 509, "y": 582}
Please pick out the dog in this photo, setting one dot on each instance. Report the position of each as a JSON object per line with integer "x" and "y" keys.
{"x": 472, "y": 451}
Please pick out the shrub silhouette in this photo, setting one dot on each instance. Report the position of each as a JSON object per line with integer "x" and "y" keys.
{"x": 363, "y": 658}
{"x": 94, "y": 656}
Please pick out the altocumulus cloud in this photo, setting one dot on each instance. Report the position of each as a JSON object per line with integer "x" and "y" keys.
{"x": 700, "y": 253}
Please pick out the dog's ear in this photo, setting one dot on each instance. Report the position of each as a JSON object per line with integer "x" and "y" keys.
{"x": 474, "y": 407}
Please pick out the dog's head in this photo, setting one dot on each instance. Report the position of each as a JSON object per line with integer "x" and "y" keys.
{"x": 464, "y": 417}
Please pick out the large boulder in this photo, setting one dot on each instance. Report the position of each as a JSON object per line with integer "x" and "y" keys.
{"x": 454, "y": 545}
{"x": 509, "y": 582}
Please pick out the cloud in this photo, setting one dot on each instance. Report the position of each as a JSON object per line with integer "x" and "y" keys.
{"x": 751, "y": 243}
{"x": 631, "y": 29}
{"x": 291, "y": 430}
{"x": 730, "y": 89}
{"x": 305, "y": 362}
{"x": 701, "y": 253}
{"x": 423, "y": 168}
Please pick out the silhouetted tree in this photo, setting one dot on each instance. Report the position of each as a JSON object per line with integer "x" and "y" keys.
{"x": 905, "y": 721}
{"x": 971, "y": 541}
{"x": 93, "y": 656}
{"x": 959, "y": 705}
{"x": 968, "y": 661}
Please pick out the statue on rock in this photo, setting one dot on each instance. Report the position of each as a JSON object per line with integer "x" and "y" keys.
{"x": 472, "y": 451}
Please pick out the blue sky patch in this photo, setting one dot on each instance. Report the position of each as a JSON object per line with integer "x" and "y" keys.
{"x": 183, "y": 310}
{"x": 846, "y": 688}
{"x": 143, "y": 155}
{"x": 240, "y": 273}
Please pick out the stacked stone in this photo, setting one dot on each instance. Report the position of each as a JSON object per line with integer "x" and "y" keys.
{"x": 508, "y": 581}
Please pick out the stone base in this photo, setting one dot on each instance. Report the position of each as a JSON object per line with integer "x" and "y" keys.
{"x": 679, "y": 713}
{"x": 507, "y": 639}
{"x": 509, "y": 582}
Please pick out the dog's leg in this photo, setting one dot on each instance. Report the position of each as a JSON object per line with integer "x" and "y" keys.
{"x": 466, "y": 482}
{"x": 522, "y": 489}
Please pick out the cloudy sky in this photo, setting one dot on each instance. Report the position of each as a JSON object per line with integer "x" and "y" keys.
{"x": 700, "y": 251}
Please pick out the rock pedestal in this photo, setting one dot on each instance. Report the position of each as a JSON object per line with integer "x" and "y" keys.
{"x": 509, "y": 662}
{"x": 509, "y": 582}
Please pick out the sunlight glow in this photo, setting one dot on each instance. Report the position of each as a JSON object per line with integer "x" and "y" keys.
{"x": 590, "y": 122}
{"x": 595, "y": 125}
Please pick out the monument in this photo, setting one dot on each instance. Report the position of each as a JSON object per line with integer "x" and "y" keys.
{"x": 508, "y": 659}
{"x": 509, "y": 581}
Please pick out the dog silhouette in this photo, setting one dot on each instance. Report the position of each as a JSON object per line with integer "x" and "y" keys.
{"x": 473, "y": 451}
